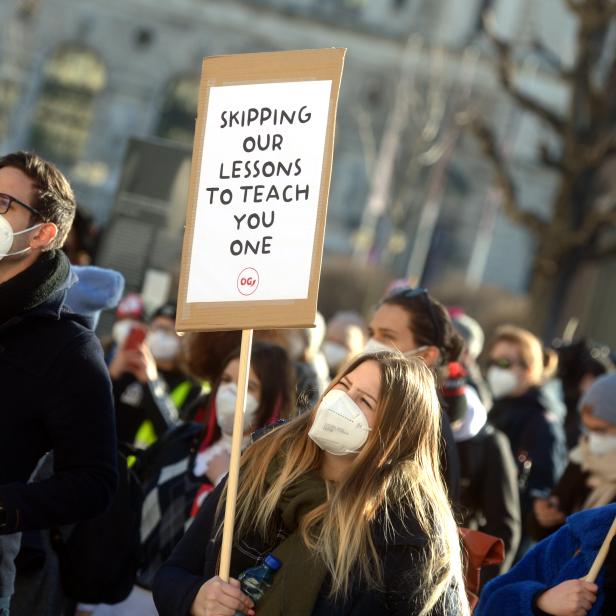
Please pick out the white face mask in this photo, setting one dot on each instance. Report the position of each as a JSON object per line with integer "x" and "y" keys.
{"x": 226, "y": 397}
{"x": 335, "y": 354}
{"x": 502, "y": 381}
{"x": 599, "y": 444}
{"x": 7, "y": 236}
{"x": 374, "y": 346}
{"x": 165, "y": 346}
{"x": 339, "y": 425}
{"x": 120, "y": 330}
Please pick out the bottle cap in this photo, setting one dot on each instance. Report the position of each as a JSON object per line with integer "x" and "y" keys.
{"x": 272, "y": 562}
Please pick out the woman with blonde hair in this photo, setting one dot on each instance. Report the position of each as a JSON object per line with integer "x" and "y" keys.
{"x": 349, "y": 497}
{"x": 518, "y": 367}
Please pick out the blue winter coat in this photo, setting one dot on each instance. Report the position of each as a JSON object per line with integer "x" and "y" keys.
{"x": 566, "y": 555}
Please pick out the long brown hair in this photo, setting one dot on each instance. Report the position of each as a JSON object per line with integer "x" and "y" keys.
{"x": 397, "y": 470}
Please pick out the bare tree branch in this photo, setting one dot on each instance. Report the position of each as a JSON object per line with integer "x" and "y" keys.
{"x": 595, "y": 221}
{"x": 595, "y": 156}
{"x": 506, "y": 70}
{"x": 512, "y": 208}
{"x": 604, "y": 253}
{"x": 552, "y": 59}
{"x": 591, "y": 12}
{"x": 582, "y": 74}
{"x": 550, "y": 161}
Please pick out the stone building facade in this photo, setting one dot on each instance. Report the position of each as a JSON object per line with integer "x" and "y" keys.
{"x": 78, "y": 78}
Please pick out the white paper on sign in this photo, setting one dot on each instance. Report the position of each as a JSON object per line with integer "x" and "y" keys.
{"x": 259, "y": 189}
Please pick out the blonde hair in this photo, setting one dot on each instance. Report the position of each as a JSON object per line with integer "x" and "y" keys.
{"x": 397, "y": 469}
{"x": 541, "y": 363}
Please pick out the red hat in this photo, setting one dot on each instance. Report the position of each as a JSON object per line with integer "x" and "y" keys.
{"x": 131, "y": 307}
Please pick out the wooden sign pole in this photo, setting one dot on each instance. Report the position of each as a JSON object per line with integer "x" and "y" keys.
{"x": 275, "y": 114}
{"x": 601, "y": 554}
{"x": 236, "y": 450}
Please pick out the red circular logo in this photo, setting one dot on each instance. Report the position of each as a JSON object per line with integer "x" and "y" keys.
{"x": 248, "y": 281}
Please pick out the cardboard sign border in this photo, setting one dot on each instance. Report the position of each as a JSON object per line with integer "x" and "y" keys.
{"x": 245, "y": 69}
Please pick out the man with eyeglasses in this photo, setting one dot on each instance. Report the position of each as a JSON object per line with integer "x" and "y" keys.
{"x": 54, "y": 387}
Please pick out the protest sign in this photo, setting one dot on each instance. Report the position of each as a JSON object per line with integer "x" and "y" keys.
{"x": 255, "y": 223}
{"x": 259, "y": 185}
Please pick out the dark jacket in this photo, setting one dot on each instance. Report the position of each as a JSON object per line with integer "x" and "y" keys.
{"x": 572, "y": 491}
{"x": 56, "y": 396}
{"x": 194, "y": 561}
{"x": 136, "y": 402}
{"x": 489, "y": 492}
{"x": 537, "y": 440}
{"x": 450, "y": 461}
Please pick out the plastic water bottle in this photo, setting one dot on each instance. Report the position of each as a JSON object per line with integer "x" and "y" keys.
{"x": 256, "y": 580}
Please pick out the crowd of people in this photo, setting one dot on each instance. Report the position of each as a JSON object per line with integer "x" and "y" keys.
{"x": 367, "y": 445}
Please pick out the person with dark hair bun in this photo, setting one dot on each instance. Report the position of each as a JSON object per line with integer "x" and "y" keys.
{"x": 427, "y": 329}
{"x": 414, "y": 323}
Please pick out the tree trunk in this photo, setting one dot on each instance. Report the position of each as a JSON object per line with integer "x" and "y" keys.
{"x": 550, "y": 288}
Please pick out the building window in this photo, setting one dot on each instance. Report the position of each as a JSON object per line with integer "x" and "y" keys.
{"x": 177, "y": 120}
{"x": 73, "y": 78}
{"x": 9, "y": 94}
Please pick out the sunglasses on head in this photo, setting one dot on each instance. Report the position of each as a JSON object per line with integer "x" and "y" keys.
{"x": 422, "y": 294}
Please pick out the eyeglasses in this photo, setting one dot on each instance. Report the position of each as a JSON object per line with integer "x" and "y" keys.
{"x": 5, "y": 204}
{"x": 422, "y": 293}
{"x": 505, "y": 363}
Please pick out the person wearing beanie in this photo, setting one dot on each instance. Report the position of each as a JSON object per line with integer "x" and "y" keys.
{"x": 579, "y": 365}
{"x": 150, "y": 387}
{"x": 474, "y": 339}
{"x": 590, "y": 478}
{"x": 97, "y": 289}
{"x": 130, "y": 310}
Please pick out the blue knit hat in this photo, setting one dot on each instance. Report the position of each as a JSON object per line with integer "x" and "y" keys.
{"x": 96, "y": 290}
{"x": 601, "y": 398}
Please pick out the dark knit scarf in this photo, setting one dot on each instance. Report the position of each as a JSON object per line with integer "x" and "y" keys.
{"x": 34, "y": 286}
{"x": 298, "y": 582}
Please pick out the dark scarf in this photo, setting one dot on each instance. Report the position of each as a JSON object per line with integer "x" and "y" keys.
{"x": 298, "y": 583}
{"x": 34, "y": 286}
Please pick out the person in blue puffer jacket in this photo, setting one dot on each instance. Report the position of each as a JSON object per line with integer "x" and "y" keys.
{"x": 548, "y": 580}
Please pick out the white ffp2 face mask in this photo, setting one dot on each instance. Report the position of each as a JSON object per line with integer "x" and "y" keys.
{"x": 599, "y": 444}
{"x": 226, "y": 397}
{"x": 7, "y": 236}
{"x": 165, "y": 346}
{"x": 339, "y": 425}
{"x": 374, "y": 346}
{"x": 502, "y": 381}
{"x": 335, "y": 354}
